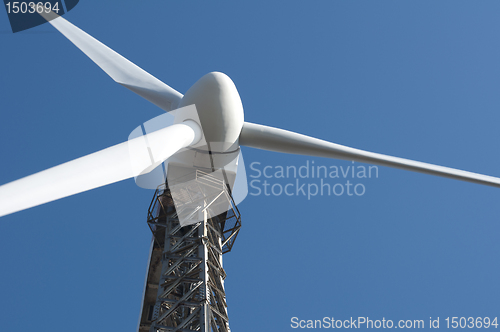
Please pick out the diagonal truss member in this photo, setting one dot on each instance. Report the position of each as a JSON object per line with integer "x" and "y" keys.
{"x": 184, "y": 288}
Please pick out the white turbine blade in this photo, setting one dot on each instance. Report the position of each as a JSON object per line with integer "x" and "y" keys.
{"x": 120, "y": 69}
{"x": 98, "y": 169}
{"x": 279, "y": 140}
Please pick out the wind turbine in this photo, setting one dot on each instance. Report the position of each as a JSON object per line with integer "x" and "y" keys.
{"x": 185, "y": 133}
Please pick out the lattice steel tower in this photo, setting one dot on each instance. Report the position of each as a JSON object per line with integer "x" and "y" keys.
{"x": 184, "y": 288}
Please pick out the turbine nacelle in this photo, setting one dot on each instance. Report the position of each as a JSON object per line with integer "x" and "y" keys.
{"x": 220, "y": 111}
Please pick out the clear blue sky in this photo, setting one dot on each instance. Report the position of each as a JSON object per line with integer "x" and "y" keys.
{"x": 415, "y": 79}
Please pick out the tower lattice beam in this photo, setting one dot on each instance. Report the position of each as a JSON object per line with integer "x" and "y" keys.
{"x": 184, "y": 288}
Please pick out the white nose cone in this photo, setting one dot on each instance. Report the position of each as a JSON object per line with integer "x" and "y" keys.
{"x": 219, "y": 108}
